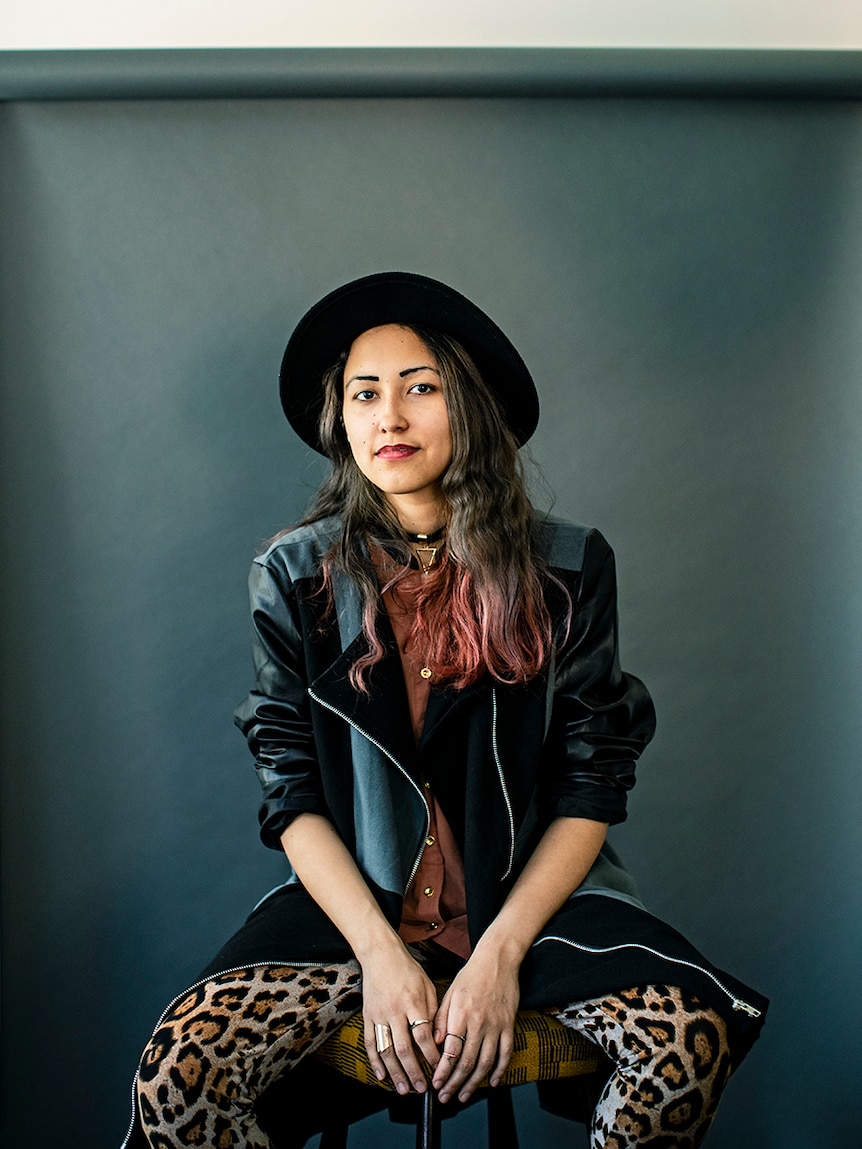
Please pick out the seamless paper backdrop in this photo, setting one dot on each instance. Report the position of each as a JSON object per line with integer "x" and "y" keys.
{"x": 683, "y": 276}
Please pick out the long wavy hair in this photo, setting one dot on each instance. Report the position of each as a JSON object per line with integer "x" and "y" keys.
{"x": 482, "y": 608}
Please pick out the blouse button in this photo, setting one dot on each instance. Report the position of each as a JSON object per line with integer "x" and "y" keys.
{"x": 427, "y": 785}
{"x": 433, "y": 925}
{"x": 428, "y": 891}
{"x": 430, "y": 840}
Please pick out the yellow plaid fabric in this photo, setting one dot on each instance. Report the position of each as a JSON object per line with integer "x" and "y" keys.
{"x": 544, "y": 1050}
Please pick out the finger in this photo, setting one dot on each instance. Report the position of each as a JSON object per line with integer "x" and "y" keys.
{"x": 472, "y": 1069}
{"x": 395, "y": 1072}
{"x": 441, "y": 1018}
{"x": 451, "y": 1066}
{"x": 405, "y": 1053}
{"x": 451, "y": 1048}
{"x": 391, "y": 1068}
{"x": 422, "y": 1026}
{"x": 504, "y": 1056}
{"x": 377, "y": 1065}
{"x": 445, "y": 1067}
{"x": 422, "y": 1033}
{"x": 397, "y": 1061}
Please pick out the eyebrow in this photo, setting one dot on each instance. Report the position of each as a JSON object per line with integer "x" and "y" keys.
{"x": 401, "y": 374}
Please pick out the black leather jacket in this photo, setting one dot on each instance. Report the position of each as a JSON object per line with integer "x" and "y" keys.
{"x": 503, "y": 759}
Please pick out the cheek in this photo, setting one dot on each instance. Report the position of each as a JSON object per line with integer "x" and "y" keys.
{"x": 355, "y": 443}
{"x": 357, "y": 438}
{"x": 446, "y": 437}
{"x": 355, "y": 429}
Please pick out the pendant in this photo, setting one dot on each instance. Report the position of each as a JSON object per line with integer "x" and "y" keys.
{"x": 426, "y": 557}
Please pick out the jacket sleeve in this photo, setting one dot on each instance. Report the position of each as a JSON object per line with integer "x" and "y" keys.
{"x": 275, "y": 718}
{"x": 601, "y": 718}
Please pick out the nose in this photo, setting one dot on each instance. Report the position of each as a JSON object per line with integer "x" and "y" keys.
{"x": 392, "y": 416}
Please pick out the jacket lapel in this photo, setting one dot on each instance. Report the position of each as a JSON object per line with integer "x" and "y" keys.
{"x": 382, "y": 714}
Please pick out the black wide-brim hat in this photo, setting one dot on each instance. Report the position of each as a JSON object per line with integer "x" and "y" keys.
{"x": 413, "y": 300}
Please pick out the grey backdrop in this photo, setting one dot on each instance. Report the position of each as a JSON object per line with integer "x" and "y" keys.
{"x": 683, "y": 275}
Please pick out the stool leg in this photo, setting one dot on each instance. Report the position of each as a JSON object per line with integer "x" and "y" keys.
{"x": 502, "y": 1131}
{"x": 428, "y": 1129}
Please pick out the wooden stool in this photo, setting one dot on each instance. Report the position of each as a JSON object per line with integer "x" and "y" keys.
{"x": 545, "y": 1050}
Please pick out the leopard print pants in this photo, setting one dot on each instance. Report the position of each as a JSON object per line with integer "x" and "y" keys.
{"x": 671, "y": 1062}
{"x": 221, "y": 1045}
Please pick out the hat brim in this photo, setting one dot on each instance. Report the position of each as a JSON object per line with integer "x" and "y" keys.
{"x": 335, "y": 321}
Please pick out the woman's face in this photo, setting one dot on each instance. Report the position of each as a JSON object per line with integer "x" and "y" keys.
{"x": 396, "y": 419}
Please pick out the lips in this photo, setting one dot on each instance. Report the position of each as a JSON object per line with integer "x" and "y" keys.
{"x": 396, "y": 451}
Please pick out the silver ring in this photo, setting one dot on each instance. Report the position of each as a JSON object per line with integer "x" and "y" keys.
{"x": 382, "y": 1037}
{"x": 420, "y": 1021}
{"x": 461, "y": 1038}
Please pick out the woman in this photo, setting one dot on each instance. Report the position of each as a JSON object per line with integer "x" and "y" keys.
{"x": 443, "y": 735}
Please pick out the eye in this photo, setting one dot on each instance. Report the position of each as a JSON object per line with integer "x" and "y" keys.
{"x": 423, "y": 388}
{"x": 364, "y": 395}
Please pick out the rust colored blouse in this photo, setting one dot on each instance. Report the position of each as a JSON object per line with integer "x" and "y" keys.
{"x": 435, "y": 906}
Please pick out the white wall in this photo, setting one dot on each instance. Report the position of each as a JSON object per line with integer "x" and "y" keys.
{"x": 461, "y": 23}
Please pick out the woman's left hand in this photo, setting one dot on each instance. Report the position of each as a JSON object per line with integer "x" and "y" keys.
{"x": 475, "y": 1023}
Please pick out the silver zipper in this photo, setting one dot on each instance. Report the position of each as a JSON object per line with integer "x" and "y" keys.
{"x": 503, "y": 786}
{"x": 738, "y": 1004}
{"x": 185, "y": 993}
{"x": 397, "y": 765}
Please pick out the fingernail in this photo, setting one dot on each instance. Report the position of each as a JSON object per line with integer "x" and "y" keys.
{"x": 419, "y": 1085}
{"x": 464, "y": 1097}
{"x": 379, "y": 1074}
{"x": 401, "y": 1087}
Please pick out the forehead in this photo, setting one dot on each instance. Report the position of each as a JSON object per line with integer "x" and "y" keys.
{"x": 390, "y": 340}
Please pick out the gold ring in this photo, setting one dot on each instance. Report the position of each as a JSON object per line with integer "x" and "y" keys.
{"x": 461, "y": 1038}
{"x": 382, "y": 1038}
{"x": 451, "y": 1056}
{"x": 420, "y": 1021}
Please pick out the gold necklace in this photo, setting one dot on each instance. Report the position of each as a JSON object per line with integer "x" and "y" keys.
{"x": 426, "y": 557}
{"x": 423, "y": 548}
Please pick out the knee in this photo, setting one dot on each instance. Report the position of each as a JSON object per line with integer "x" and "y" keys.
{"x": 682, "y": 1041}
{"x": 696, "y": 1062}
{"x": 705, "y": 1045}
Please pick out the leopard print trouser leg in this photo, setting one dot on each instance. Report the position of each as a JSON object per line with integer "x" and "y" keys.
{"x": 671, "y": 1061}
{"x": 220, "y": 1046}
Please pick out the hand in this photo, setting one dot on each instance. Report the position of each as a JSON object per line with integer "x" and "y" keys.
{"x": 475, "y": 1024}
{"x": 397, "y": 992}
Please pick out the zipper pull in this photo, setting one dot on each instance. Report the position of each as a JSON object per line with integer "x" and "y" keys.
{"x": 744, "y": 1007}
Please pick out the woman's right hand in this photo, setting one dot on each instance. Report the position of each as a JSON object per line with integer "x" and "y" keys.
{"x": 397, "y": 993}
